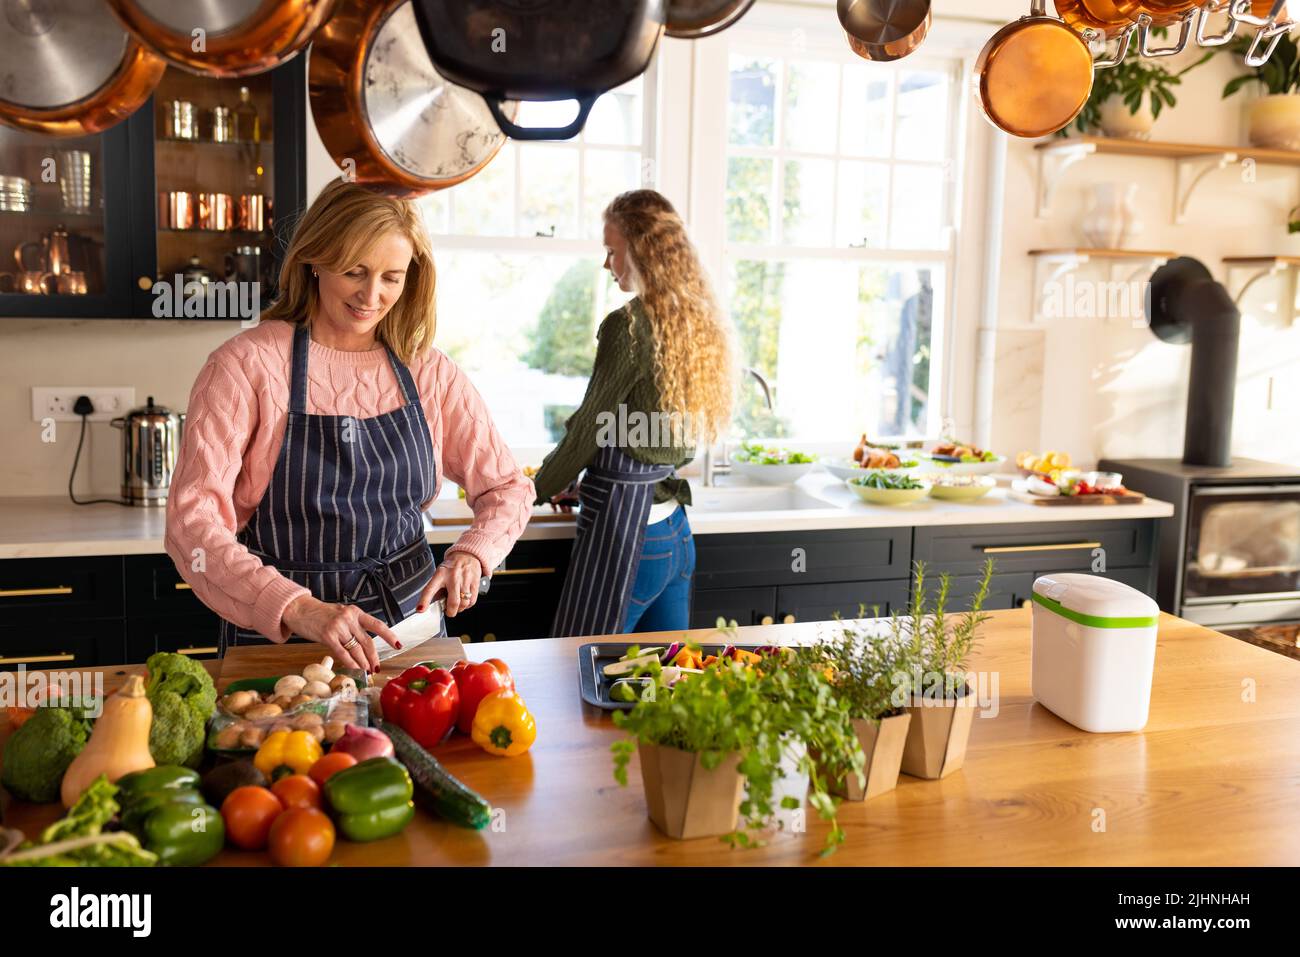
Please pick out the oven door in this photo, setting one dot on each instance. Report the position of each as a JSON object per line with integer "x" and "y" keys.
{"x": 1243, "y": 543}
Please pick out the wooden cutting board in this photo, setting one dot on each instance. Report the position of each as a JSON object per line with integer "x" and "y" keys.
{"x": 1132, "y": 498}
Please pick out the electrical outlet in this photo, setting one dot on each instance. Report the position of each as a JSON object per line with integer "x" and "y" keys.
{"x": 56, "y": 402}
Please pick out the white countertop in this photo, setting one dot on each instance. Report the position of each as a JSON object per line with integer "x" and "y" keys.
{"x": 51, "y": 527}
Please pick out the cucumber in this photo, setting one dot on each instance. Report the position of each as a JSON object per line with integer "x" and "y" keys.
{"x": 435, "y": 789}
{"x": 628, "y": 665}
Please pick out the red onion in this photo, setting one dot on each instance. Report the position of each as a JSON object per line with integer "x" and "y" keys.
{"x": 364, "y": 743}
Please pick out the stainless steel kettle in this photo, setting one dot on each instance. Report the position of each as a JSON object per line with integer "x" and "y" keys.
{"x": 151, "y": 440}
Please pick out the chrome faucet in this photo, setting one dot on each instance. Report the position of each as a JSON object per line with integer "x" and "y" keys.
{"x": 713, "y": 469}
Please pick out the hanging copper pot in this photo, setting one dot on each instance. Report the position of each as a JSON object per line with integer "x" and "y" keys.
{"x": 1165, "y": 13}
{"x": 69, "y": 68}
{"x": 1033, "y": 76}
{"x": 696, "y": 19}
{"x": 1108, "y": 17}
{"x": 386, "y": 115}
{"x": 884, "y": 30}
{"x": 231, "y": 38}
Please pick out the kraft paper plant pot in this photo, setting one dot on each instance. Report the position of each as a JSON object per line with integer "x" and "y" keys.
{"x": 937, "y": 736}
{"x": 882, "y": 742}
{"x": 684, "y": 798}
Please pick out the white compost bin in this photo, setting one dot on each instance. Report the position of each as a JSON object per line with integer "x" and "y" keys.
{"x": 1094, "y": 650}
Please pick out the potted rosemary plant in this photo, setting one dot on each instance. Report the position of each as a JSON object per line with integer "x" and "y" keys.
{"x": 1273, "y": 119}
{"x": 712, "y": 750}
{"x": 863, "y": 667}
{"x": 936, "y": 692}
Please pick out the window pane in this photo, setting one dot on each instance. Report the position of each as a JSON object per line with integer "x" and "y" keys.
{"x": 749, "y": 200}
{"x": 485, "y": 204}
{"x": 868, "y": 366}
{"x": 809, "y": 202}
{"x": 547, "y": 113}
{"x": 608, "y": 174}
{"x": 544, "y": 310}
{"x": 922, "y": 113}
{"x": 862, "y": 210}
{"x": 917, "y": 220}
{"x": 810, "y": 106}
{"x": 436, "y": 208}
{"x": 868, "y": 110}
{"x": 548, "y": 191}
{"x": 616, "y": 117}
{"x": 751, "y": 116}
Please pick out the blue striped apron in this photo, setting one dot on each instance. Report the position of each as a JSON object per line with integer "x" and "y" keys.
{"x": 614, "y": 498}
{"x": 343, "y": 514}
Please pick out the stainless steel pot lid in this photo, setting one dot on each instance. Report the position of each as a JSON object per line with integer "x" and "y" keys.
{"x": 426, "y": 125}
{"x": 57, "y": 52}
{"x": 214, "y": 16}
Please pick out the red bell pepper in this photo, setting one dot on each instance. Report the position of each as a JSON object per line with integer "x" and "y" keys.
{"x": 422, "y": 702}
{"x": 476, "y": 681}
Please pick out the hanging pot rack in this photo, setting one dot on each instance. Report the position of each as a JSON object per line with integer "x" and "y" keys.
{"x": 1194, "y": 26}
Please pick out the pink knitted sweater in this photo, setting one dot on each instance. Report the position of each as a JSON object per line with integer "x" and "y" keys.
{"x": 234, "y": 427}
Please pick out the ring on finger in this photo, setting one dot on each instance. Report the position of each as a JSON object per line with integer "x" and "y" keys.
{"x": 351, "y": 642}
{"x": 466, "y": 595}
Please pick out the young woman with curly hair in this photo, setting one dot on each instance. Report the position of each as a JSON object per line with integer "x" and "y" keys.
{"x": 661, "y": 385}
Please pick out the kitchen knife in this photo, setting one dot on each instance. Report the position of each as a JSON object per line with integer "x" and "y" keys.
{"x": 414, "y": 630}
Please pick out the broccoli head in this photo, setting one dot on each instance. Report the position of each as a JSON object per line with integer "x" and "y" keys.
{"x": 177, "y": 733}
{"x": 186, "y": 677}
{"x": 40, "y": 751}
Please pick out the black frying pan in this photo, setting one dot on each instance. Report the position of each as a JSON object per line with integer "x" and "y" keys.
{"x": 540, "y": 50}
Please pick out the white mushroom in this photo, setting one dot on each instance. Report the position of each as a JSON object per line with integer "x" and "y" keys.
{"x": 323, "y": 672}
{"x": 290, "y": 685}
{"x": 344, "y": 684}
{"x": 318, "y": 689}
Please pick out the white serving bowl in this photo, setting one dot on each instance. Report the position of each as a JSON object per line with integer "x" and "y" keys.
{"x": 772, "y": 474}
{"x": 932, "y": 467}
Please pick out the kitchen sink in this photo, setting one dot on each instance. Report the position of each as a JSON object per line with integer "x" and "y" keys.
{"x": 755, "y": 498}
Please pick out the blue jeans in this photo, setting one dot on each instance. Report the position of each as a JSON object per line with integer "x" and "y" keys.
{"x": 661, "y": 594}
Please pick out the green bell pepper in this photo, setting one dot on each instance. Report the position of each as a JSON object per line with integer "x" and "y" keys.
{"x": 371, "y": 800}
{"x": 140, "y": 806}
{"x": 165, "y": 776}
{"x": 182, "y": 833}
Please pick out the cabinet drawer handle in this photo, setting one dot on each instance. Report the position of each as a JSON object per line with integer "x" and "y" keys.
{"x": 1001, "y": 549}
{"x": 37, "y": 659}
{"x": 197, "y": 651}
{"x": 490, "y": 637}
{"x": 524, "y": 571}
{"x": 27, "y": 592}
{"x": 788, "y": 620}
{"x": 766, "y": 620}
{"x": 1027, "y": 603}
{"x": 183, "y": 586}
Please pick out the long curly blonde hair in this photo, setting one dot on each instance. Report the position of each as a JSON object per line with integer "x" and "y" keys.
{"x": 692, "y": 336}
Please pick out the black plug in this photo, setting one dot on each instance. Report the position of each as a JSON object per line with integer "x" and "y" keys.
{"x": 83, "y": 405}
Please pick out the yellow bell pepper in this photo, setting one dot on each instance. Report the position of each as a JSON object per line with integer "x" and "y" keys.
{"x": 297, "y": 750}
{"x": 503, "y": 724}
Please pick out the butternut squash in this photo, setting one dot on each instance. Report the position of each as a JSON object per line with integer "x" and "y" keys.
{"x": 118, "y": 745}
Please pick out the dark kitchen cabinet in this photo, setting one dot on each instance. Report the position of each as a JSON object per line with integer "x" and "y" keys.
{"x": 38, "y": 591}
{"x": 109, "y": 194}
{"x": 194, "y": 635}
{"x": 523, "y": 596}
{"x": 744, "y": 606}
{"x": 1036, "y": 548}
{"x": 844, "y": 599}
{"x": 794, "y": 558}
{"x": 62, "y": 645}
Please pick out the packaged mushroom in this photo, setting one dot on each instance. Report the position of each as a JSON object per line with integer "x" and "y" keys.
{"x": 316, "y": 700}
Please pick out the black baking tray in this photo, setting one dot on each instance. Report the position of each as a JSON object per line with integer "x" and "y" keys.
{"x": 593, "y": 657}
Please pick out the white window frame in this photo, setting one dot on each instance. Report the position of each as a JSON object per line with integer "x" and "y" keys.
{"x": 789, "y": 32}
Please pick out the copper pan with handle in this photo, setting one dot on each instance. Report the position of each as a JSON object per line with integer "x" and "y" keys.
{"x": 884, "y": 30}
{"x": 229, "y": 38}
{"x": 69, "y": 68}
{"x": 1033, "y": 76}
{"x": 1108, "y": 17}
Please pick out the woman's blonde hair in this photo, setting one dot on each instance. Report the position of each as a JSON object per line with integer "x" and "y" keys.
{"x": 340, "y": 223}
{"x": 692, "y": 337}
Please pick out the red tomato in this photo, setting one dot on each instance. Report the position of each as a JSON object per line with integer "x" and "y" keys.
{"x": 297, "y": 790}
{"x": 331, "y": 763}
{"x": 302, "y": 837}
{"x": 248, "y": 813}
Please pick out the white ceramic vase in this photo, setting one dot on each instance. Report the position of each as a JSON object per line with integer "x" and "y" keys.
{"x": 1114, "y": 119}
{"x": 1111, "y": 219}
{"x": 1274, "y": 121}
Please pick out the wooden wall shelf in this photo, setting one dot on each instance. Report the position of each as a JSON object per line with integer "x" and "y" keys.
{"x": 1125, "y": 266}
{"x": 1263, "y": 267}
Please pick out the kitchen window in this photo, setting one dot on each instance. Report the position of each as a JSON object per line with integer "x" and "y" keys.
{"x": 519, "y": 253}
{"x": 837, "y": 249}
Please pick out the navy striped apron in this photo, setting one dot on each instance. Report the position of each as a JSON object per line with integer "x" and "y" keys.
{"x": 343, "y": 514}
{"x": 614, "y": 498}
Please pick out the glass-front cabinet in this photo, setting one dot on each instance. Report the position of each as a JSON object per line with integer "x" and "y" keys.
{"x": 198, "y": 186}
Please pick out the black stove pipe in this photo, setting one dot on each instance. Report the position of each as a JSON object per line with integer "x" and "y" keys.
{"x": 1185, "y": 304}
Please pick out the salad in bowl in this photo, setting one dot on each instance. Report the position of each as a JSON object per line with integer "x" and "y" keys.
{"x": 771, "y": 465}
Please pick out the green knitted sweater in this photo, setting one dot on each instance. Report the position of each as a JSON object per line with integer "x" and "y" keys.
{"x": 623, "y": 376}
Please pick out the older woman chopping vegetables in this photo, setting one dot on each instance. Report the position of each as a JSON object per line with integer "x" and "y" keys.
{"x": 315, "y": 441}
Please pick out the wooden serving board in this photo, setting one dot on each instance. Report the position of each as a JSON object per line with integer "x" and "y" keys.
{"x": 1132, "y": 498}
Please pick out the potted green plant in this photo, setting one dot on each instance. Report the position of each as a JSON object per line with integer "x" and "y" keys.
{"x": 1126, "y": 100}
{"x": 936, "y": 691}
{"x": 714, "y": 749}
{"x": 862, "y": 666}
{"x": 1273, "y": 120}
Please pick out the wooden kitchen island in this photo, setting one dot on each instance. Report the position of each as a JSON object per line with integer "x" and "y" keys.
{"x": 1212, "y": 780}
